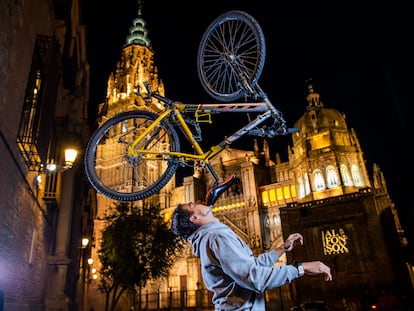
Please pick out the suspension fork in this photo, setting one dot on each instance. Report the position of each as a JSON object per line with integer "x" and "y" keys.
{"x": 255, "y": 91}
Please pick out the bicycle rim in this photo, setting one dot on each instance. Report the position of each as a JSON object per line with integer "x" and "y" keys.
{"x": 232, "y": 46}
{"x": 122, "y": 177}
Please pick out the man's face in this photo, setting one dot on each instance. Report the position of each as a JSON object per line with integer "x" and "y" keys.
{"x": 201, "y": 213}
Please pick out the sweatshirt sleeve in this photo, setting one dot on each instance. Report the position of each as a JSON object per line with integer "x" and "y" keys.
{"x": 257, "y": 274}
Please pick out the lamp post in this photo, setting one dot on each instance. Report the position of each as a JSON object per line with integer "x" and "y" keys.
{"x": 83, "y": 273}
{"x": 55, "y": 185}
{"x": 82, "y": 270}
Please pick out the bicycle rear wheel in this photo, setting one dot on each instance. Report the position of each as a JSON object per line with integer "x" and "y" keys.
{"x": 122, "y": 177}
{"x": 231, "y": 56}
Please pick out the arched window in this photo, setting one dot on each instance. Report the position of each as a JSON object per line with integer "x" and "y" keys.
{"x": 307, "y": 184}
{"x": 265, "y": 198}
{"x": 272, "y": 196}
{"x": 124, "y": 128}
{"x": 332, "y": 177}
{"x": 346, "y": 179}
{"x": 318, "y": 180}
{"x": 301, "y": 188}
{"x": 356, "y": 177}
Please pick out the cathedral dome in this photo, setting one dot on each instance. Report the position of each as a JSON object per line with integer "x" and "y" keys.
{"x": 317, "y": 118}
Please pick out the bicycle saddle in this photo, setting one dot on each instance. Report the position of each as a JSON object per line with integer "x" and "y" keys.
{"x": 214, "y": 193}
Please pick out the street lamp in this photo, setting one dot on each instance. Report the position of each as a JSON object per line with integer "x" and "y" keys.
{"x": 94, "y": 273}
{"x": 70, "y": 157}
{"x": 52, "y": 167}
{"x": 85, "y": 242}
{"x": 83, "y": 268}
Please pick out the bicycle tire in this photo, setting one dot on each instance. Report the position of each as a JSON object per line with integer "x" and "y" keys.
{"x": 233, "y": 36}
{"x": 120, "y": 177}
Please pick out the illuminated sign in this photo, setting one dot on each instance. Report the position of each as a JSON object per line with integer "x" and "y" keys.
{"x": 334, "y": 243}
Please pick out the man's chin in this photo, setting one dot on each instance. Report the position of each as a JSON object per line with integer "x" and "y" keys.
{"x": 208, "y": 210}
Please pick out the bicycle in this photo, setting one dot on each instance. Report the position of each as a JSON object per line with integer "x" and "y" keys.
{"x": 143, "y": 148}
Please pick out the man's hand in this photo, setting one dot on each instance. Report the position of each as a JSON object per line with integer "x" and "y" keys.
{"x": 292, "y": 241}
{"x": 317, "y": 267}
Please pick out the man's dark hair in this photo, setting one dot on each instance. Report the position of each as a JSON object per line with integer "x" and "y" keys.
{"x": 181, "y": 224}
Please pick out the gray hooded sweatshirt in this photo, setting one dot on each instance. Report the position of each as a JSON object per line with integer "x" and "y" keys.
{"x": 230, "y": 270}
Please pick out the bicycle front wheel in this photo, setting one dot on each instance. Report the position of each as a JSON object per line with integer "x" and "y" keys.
{"x": 130, "y": 176}
{"x": 231, "y": 56}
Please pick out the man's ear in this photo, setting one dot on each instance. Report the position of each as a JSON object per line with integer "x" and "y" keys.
{"x": 193, "y": 219}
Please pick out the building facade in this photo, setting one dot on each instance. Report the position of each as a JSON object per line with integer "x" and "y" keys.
{"x": 324, "y": 190}
{"x": 44, "y": 76}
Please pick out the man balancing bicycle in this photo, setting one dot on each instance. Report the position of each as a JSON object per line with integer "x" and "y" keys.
{"x": 236, "y": 277}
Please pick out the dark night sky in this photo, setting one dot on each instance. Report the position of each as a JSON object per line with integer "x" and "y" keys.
{"x": 360, "y": 59}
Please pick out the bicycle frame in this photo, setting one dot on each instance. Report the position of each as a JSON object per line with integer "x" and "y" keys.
{"x": 176, "y": 110}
